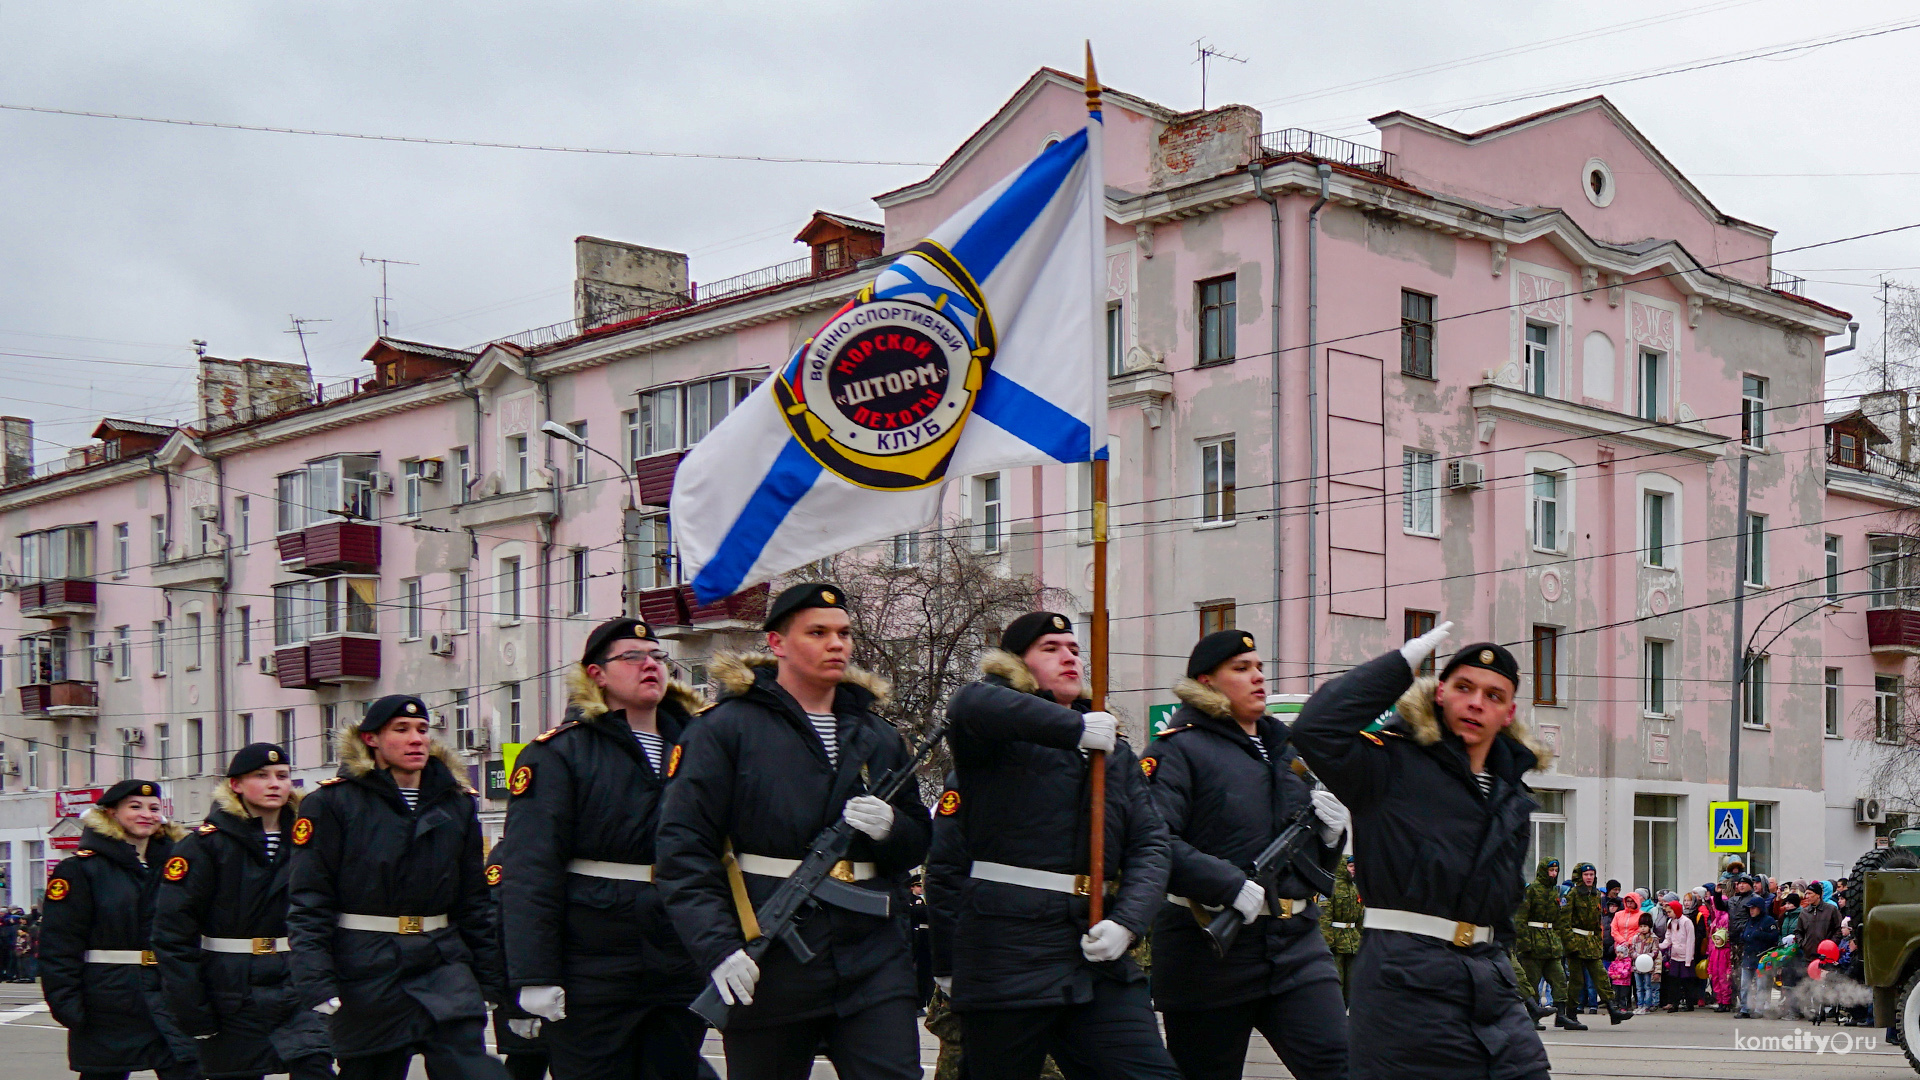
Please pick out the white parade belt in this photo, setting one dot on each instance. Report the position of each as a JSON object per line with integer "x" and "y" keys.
{"x": 768, "y": 866}
{"x": 1433, "y": 926}
{"x": 1541, "y": 925}
{"x": 144, "y": 958}
{"x": 1582, "y": 933}
{"x": 1006, "y": 874}
{"x": 1341, "y": 925}
{"x": 392, "y": 924}
{"x": 1285, "y": 905}
{"x": 245, "y": 946}
{"x": 618, "y": 871}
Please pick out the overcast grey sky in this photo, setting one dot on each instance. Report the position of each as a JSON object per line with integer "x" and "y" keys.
{"x": 123, "y": 241}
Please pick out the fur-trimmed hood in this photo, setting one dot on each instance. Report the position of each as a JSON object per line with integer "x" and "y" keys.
{"x": 736, "y": 673}
{"x": 1204, "y": 698}
{"x": 356, "y": 757}
{"x": 1422, "y": 724}
{"x": 100, "y": 819}
{"x": 585, "y": 699}
{"x": 225, "y": 798}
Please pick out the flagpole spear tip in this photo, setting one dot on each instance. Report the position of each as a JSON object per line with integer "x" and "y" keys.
{"x": 1093, "y": 82}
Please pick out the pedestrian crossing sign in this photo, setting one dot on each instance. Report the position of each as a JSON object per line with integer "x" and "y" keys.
{"x": 1728, "y": 824}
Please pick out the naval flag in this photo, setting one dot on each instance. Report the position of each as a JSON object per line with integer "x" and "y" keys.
{"x": 974, "y": 350}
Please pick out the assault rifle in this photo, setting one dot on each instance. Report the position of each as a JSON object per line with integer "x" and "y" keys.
{"x": 814, "y": 884}
{"x": 1290, "y": 848}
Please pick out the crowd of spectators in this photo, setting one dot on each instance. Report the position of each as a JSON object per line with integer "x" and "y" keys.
{"x": 19, "y": 945}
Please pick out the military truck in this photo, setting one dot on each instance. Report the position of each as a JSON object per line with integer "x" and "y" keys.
{"x": 1888, "y": 951}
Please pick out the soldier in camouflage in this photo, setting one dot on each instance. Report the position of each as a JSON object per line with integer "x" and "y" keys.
{"x": 1582, "y": 936}
{"x": 1340, "y": 920}
{"x": 1540, "y": 924}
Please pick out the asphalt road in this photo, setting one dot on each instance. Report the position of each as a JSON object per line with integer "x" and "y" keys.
{"x": 1655, "y": 1047}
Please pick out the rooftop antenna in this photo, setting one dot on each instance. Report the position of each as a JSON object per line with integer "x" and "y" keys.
{"x": 300, "y": 331}
{"x": 200, "y": 347}
{"x": 1206, "y": 53}
{"x": 380, "y": 302}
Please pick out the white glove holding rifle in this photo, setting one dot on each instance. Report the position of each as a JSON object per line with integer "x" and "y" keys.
{"x": 1252, "y": 901}
{"x": 735, "y": 977}
{"x": 1333, "y": 816}
{"x": 1423, "y": 647}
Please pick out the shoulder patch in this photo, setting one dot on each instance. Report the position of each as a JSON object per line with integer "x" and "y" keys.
{"x": 949, "y": 803}
{"x": 493, "y": 874}
{"x": 208, "y": 829}
{"x": 176, "y": 869}
{"x": 673, "y": 760}
{"x": 1147, "y": 765}
{"x": 522, "y": 779}
{"x": 1174, "y": 731}
{"x": 551, "y": 732}
{"x": 85, "y": 853}
{"x": 302, "y": 831}
{"x": 1372, "y": 738}
{"x": 331, "y": 780}
{"x": 57, "y": 889}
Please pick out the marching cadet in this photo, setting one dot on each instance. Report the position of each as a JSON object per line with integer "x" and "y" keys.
{"x": 790, "y": 749}
{"x": 1223, "y": 777}
{"x": 1340, "y": 922}
{"x": 589, "y": 947}
{"x": 1440, "y": 827}
{"x": 221, "y": 930}
{"x": 518, "y": 1035}
{"x": 1585, "y": 939}
{"x": 391, "y": 926}
{"x": 97, "y": 966}
{"x": 1029, "y": 977}
{"x": 1542, "y": 919}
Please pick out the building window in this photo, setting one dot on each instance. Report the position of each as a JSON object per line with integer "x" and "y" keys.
{"x": 126, "y": 760}
{"x": 123, "y": 652}
{"x": 462, "y": 473}
{"x": 243, "y": 522}
{"x": 1413, "y": 624}
{"x": 710, "y": 400}
{"x": 1654, "y": 696}
{"x": 320, "y": 607}
{"x": 122, "y": 549}
{"x": 244, "y": 723}
{"x": 1549, "y": 840}
{"x": 163, "y": 749}
{"x": 1656, "y": 841}
{"x": 1418, "y": 493}
{"x": 196, "y": 748}
{"x": 1416, "y": 334}
{"x": 1753, "y": 694}
{"x": 37, "y": 871}
{"x": 513, "y": 712}
{"x": 462, "y": 721}
{"x": 1539, "y": 360}
{"x": 577, "y": 580}
{"x": 987, "y": 511}
{"x": 1830, "y": 702}
{"x": 1654, "y": 510}
{"x": 195, "y": 642}
{"x": 1217, "y": 320}
{"x": 509, "y": 592}
{"x": 1833, "y": 567}
{"x": 653, "y": 553}
{"x": 1889, "y": 565}
{"x": 1652, "y": 397}
{"x": 1216, "y": 617}
{"x": 1216, "y": 482}
{"x": 410, "y": 607}
{"x": 630, "y": 433}
{"x": 284, "y": 725}
{"x": 1753, "y": 411}
{"x": 326, "y": 490}
{"x": 158, "y": 524}
{"x": 57, "y": 554}
{"x": 33, "y": 763}
{"x": 1546, "y": 510}
{"x": 243, "y": 621}
{"x": 1887, "y": 719}
{"x": 66, "y": 761}
{"x": 1847, "y": 451}
{"x": 579, "y": 462}
{"x": 659, "y": 421}
{"x": 1756, "y": 549}
{"x": 93, "y": 756}
{"x": 519, "y": 463}
{"x": 460, "y": 605}
{"x": 410, "y": 488}
{"x": 906, "y": 549}
{"x": 159, "y": 646}
{"x": 329, "y": 720}
{"x": 1546, "y": 665}
{"x": 1116, "y": 341}
{"x": 1760, "y": 839}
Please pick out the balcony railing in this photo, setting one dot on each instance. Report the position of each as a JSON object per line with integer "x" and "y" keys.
{"x": 1289, "y": 142}
{"x": 1894, "y": 629}
{"x": 71, "y": 596}
{"x": 763, "y": 278}
{"x": 675, "y": 606}
{"x": 64, "y": 698}
{"x": 1781, "y": 281}
{"x": 332, "y": 547}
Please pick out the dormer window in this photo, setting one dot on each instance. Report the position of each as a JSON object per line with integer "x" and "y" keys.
{"x": 833, "y": 255}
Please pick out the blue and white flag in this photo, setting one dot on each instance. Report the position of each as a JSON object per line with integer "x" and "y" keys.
{"x": 974, "y": 350}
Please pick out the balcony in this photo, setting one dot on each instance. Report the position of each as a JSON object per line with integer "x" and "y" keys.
{"x": 533, "y": 504}
{"x": 654, "y": 476}
{"x": 53, "y": 599}
{"x": 328, "y": 661}
{"x": 195, "y": 572}
{"x": 1299, "y": 142}
{"x": 55, "y": 700}
{"x": 332, "y": 547}
{"x": 1894, "y": 630}
{"x": 675, "y": 607}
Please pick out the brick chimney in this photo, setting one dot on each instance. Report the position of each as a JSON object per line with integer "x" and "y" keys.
{"x": 615, "y": 281}
{"x": 242, "y": 391}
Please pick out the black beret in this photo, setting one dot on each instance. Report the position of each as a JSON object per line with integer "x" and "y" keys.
{"x": 604, "y": 635}
{"x": 1022, "y": 632}
{"x": 1486, "y": 654}
{"x": 393, "y": 706}
{"x": 1217, "y": 648}
{"x": 125, "y": 788}
{"x": 814, "y": 594}
{"x": 256, "y": 756}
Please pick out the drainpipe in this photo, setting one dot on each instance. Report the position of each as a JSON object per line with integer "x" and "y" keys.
{"x": 543, "y": 633}
{"x": 220, "y": 601}
{"x": 1260, "y": 192}
{"x": 1313, "y": 428}
{"x": 474, "y": 624}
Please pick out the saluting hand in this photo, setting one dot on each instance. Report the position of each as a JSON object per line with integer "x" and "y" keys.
{"x": 1419, "y": 649}
{"x": 870, "y": 814}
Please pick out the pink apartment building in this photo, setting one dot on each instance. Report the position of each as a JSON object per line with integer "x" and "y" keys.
{"x": 1504, "y": 377}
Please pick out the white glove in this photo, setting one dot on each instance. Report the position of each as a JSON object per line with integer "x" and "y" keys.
{"x": 1333, "y": 816}
{"x": 1108, "y": 940}
{"x": 1252, "y": 901}
{"x": 945, "y": 983}
{"x": 328, "y": 1007}
{"x": 870, "y": 814}
{"x": 1419, "y": 649}
{"x": 545, "y": 1002}
{"x": 1097, "y": 731}
{"x": 734, "y": 978}
{"x": 526, "y": 1029}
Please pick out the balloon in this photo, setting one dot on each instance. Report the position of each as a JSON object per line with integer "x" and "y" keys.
{"x": 1813, "y": 970}
{"x": 1830, "y": 952}
{"x": 1643, "y": 963}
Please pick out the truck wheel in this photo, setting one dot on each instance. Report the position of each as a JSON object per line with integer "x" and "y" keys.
{"x": 1906, "y": 1017}
{"x": 1856, "y": 893}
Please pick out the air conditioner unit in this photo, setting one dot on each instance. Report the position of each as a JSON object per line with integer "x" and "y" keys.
{"x": 383, "y": 483}
{"x": 440, "y": 644}
{"x": 103, "y": 654}
{"x": 206, "y": 512}
{"x": 133, "y": 736}
{"x": 1869, "y": 812}
{"x": 433, "y": 470}
{"x": 268, "y": 664}
{"x": 10, "y": 768}
{"x": 1465, "y": 475}
{"x": 473, "y": 739}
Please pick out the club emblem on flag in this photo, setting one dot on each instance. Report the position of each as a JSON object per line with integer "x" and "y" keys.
{"x": 878, "y": 396}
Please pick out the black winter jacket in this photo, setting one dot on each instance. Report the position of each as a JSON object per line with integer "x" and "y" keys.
{"x": 591, "y": 793}
{"x": 505, "y": 1039}
{"x": 754, "y": 775}
{"x": 1024, "y": 800}
{"x": 103, "y": 898}
{"x": 1223, "y": 804}
{"x": 359, "y": 850}
{"x": 947, "y": 867}
{"x": 227, "y": 887}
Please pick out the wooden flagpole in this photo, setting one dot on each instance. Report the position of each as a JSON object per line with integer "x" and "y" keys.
{"x": 1097, "y": 760}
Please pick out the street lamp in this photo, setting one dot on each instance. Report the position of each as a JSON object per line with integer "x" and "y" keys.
{"x": 554, "y": 430}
